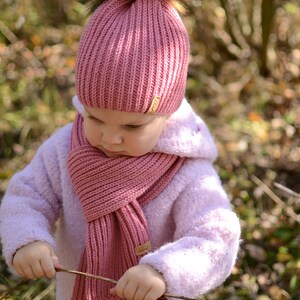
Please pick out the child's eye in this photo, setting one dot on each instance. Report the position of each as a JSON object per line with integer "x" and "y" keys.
{"x": 130, "y": 126}
{"x": 94, "y": 119}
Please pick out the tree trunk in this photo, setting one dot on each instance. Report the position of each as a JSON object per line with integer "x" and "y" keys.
{"x": 268, "y": 11}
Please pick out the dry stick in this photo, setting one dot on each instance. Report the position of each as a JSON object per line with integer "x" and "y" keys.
{"x": 86, "y": 275}
{"x": 111, "y": 280}
{"x": 45, "y": 292}
{"x": 287, "y": 190}
{"x": 8, "y": 33}
{"x": 12, "y": 38}
{"x": 276, "y": 199}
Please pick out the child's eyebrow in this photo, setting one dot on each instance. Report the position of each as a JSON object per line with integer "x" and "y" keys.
{"x": 94, "y": 117}
{"x": 87, "y": 111}
{"x": 91, "y": 114}
{"x": 137, "y": 122}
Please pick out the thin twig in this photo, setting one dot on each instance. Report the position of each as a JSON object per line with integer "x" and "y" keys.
{"x": 287, "y": 190}
{"x": 112, "y": 281}
{"x": 45, "y": 292}
{"x": 86, "y": 275}
{"x": 276, "y": 199}
{"x": 8, "y": 33}
{"x": 13, "y": 39}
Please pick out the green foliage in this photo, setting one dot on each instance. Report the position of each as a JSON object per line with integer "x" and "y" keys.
{"x": 243, "y": 80}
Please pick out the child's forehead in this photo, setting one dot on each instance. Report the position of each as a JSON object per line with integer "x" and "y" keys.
{"x": 116, "y": 116}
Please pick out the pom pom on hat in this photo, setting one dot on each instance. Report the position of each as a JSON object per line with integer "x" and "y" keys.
{"x": 133, "y": 56}
{"x": 179, "y": 5}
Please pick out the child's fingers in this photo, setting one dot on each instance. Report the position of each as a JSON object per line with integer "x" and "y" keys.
{"x": 38, "y": 270}
{"x": 113, "y": 291}
{"x": 36, "y": 260}
{"x": 140, "y": 294}
{"x": 47, "y": 266}
{"x": 28, "y": 272}
{"x": 22, "y": 269}
{"x": 120, "y": 287}
{"x": 130, "y": 290}
{"x": 19, "y": 270}
{"x": 152, "y": 295}
{"x": 55, "y": 261}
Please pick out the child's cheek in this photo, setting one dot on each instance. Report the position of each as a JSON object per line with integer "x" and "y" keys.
{"x": 142, "y": 146}
{"x": 90, "y": 132}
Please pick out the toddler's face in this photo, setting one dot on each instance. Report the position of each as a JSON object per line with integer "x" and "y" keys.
{"x": 119, "y": 133}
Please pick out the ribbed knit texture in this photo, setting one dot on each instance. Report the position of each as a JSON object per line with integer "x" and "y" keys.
{"x": 112, "y": 191}
{"x": 130, "y": 52}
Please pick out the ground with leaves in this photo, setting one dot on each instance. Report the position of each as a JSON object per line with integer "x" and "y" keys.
{"x": 253, "y": 112}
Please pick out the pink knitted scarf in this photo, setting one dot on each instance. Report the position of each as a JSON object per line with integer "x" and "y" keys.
{"x": 112, "y": 192}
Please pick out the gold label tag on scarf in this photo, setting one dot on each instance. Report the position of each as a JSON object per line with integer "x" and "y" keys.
{"x": 154, "y": 105}
{"x": 143, "y": 249}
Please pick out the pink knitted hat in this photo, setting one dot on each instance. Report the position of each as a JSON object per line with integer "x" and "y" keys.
{"x": 133, "y": 56}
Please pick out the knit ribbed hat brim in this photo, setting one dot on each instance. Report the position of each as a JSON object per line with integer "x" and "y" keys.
{"x": 133, "y": 56}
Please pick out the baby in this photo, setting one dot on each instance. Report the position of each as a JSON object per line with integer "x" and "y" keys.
{"x": 131, "y": 182}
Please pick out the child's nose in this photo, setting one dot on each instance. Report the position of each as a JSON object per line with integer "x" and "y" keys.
{"x": 110, "y": 137}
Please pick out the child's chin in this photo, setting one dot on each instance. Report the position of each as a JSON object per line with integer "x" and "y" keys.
{"x": 113, "y": 154}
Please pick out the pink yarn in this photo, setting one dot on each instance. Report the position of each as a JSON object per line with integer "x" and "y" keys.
{"x": 131, "y": 52}
{"x": 112, "y": 191}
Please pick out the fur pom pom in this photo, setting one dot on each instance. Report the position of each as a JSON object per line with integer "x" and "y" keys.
{"x": 92, "y": 5}
{"x": 179, "y": 5}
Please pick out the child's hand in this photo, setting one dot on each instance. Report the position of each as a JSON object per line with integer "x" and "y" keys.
{"x": 36, "y": 260}
{"x": 140, "y": 282}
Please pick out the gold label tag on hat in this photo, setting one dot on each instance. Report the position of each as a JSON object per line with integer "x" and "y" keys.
{"x": 154, "y": 105}
{"x": 143, "y": 249}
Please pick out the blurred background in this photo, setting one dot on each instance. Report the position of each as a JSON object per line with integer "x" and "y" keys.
{"x": 244, "y": 81}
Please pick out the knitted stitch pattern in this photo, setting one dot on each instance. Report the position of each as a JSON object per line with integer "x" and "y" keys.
{"x": 116, "y": 224}
{"x": 194, "y": 233}
{"x": 133, "y": 54}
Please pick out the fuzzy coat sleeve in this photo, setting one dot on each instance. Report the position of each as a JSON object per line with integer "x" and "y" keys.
{"x": 31, "y": 203}
{"x": 206, "y": 239}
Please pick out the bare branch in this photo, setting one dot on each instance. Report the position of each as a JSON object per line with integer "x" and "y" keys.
{"x": 287, "y": 190}
{"x": 113, "y": 281}
{"x": 276, "y": 199}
